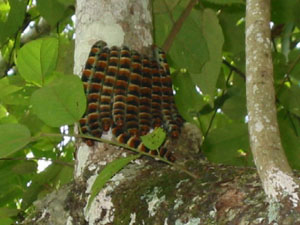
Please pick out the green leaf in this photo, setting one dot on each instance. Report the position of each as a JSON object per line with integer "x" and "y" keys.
{"x": 37, "y": 60}
{"x": 226, "y": 2}
{"x": 289, "y": 98}
{"x": 8, "y": 212}
{"x": 235, "y": 106}
{"x": 188, "y": 100}
{"x": 3, "y": 112}
{"x": 65, "y": 63}
{"x": 280, "y": 67}
{"x": 25, "y": 167}
{"x": 293, "y": 57}
{"x": 6, "y": 221}
{"x": 154, "y": 139}
{"x": 234, "y": 32}
{"x": 52, "y": 10}
{"x": 190, "y": 53}
{"x": 284, "y": 11}
{"x": 108, "y": 172}
{"x": 62, "y": 102}
{"x": 66, "y": 2}
{"x": 163, "y": 6}
{"x": 6, "y": 88}
{"x": 290, "y": 141}
{"x": 212, "y": 32}
{"x": 13, "y": 137}
{"x": 162, "y": 21}
{"x": 223, "y": 145}
{"x": 10, "y": 193}
{"x": 40, "y": 183}
{"x": 14, "y": 19}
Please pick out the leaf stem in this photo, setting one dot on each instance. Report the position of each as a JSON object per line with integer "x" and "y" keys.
{"x": 177, "y": 166}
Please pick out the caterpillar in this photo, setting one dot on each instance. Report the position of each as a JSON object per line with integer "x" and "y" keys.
{"x": 130, "y": 94}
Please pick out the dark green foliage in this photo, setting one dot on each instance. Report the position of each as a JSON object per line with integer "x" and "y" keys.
{"x": 26, "y": 112}
{"x": 11, "y": 24}
{"x": 219, "y": 110}
{"x": 13, "y": 137}
{"x": 37, "y": 96}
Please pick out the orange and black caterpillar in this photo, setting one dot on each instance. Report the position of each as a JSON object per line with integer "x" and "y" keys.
{"x": 129, "y": 93}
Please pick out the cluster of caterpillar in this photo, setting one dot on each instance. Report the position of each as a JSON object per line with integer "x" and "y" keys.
{"x": 129, "y": 93}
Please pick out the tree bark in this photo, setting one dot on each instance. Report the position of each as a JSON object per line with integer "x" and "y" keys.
{"x": 129, "y": 23}
{"x": 275, "y": 173}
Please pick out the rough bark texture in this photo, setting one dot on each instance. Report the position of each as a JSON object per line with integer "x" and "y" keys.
{"x": 274, "y": 171}
{"x": 116, "y": 22}
{"x": 127, "y": 22}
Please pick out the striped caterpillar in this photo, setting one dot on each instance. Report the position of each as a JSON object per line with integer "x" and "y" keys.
{"x": 129, "y": 93}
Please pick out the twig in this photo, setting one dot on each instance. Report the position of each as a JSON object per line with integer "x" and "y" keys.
{"x": 233, "y": 68}
{"x": 293, "y": 65}
{"x": 177, "y": 26}
{"x": 217, "y": 106}
{"x": 125, "y": 147}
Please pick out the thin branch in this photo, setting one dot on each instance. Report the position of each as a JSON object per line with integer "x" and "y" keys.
{"x": 293, "y": 65}
{"x": 217, "y": 106}
{"x": 41, "y": 28}
{"x": 233, "y": 68}
{"x": 177, "y": 25}
{"x": 290, "y": 69}
{"x": 179, "y": 167}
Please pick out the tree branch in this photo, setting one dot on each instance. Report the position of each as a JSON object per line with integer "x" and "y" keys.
{"x": 269, "y": 157}
{"x": 233, "y": 68}
{"x": 177, "y": 25}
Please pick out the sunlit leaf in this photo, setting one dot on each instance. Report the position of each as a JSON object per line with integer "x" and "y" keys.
{"x": 37, "y": 60}
{"x": 7, "y": 88}
{"x": 154, "y": 139}
{"x": 62, "y": 102}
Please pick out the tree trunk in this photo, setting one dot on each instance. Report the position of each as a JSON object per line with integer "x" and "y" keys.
{"x": 275, "y": 173}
